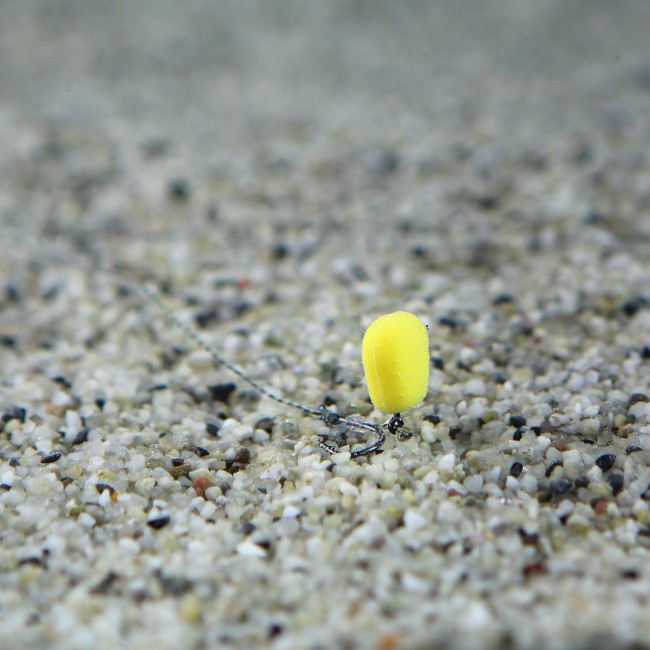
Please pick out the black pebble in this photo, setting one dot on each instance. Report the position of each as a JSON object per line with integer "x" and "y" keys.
{"x": 635, "y": 398}
{"x": 212, "y": 429}
{"x": 517, "y": 421}
{"x": 617, "y": 483}
{"x": 438, "y": 363}
{"x": 60, "y": 379}
{"x": 8, "y": 341}
{"x": 177, "y": 462}
{"x": 178, "y": 189}
{"x": 645, "y": 352}
{"x": 265, "y": 424}
{"x": 248, "y": 527}
{"x": 100, "y": 487}
{"x": 516, "y": 468}
{"x": 562, "y": 486}
{"x": 17, "y": 413}
{"x": 51, "y": 458}
{"x": 221, "y": 392}
{"x": 448, "y": 322}
{"x": 99, "y": 403}
{"x": 433, "y": 418}
{"x": 606, "y": 461}
{"x": 81, "y": 437}
{"x": 503, "y": 299}
{"x": 518, "y": 434}
{"x": 631, "y": 307}
{"x": 551, "y": 468}
{"x": 159, "y": 522}
{"x": 200, "y": 451}
{"x": 632, "y": 448}
{"x": 157, "y": 387}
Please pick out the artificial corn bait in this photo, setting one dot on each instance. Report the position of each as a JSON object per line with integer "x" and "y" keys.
{"x": 397, "y": 369}
{"x": 395, "y": 354}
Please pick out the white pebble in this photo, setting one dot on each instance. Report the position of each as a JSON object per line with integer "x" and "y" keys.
{"x": 512, "y": 483}
{"x": 414, "y": 521}
{"x": 446, "y": 463}
{"x": 250, "y": 549}
{"x": 86, "y": 520}
{"x": 290, "y": 512}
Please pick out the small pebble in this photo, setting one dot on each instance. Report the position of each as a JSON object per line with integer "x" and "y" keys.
{"x": 50, "y": 458}
{"x": 606, "y": 462}
{"x": 158, "y": 522}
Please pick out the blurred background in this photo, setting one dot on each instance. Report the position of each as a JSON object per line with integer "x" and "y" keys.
{"x": 201, "y": 63}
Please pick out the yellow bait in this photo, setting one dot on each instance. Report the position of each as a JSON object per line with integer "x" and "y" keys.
{"x": 395, "y": 353}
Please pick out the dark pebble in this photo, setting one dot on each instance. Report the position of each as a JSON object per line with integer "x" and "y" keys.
{"x": 17, "y": 413}
{"x": 517, "y": 421}
{"x": 551, "y": 468}
{"x": 221, "y": 392}
{"x": 517, "y": 435}
{"x": 632, "y": 448}
{"x": 265, "y": 424}
{"x": 606, "y": 461}
{"x": 275, "y": 631}
{"x": 499, "y": 378}
{"x": 5, "y": 487}
{"x": 516, "y": 468}
{"x": 631, "y": 307}
{"x": 200, "y": 451}
{"x": 503, "y": 299}
{"x": 645, "y": 352}
{"x": 175, "y": 585}
{"x": 178, "y": 189}
{"x": 528, "y": 539}
{"x": 446, "y": 321}
{"x": 100, "y": 402}
{"x": 419, "y": 251}
{"x": 159, "y": 522}
{"x": 177, "y": 462}
{"x": 438, "y": 363}
{"x": 157, "y": 387}
{"x": 488, "y": 202}
{"x": 630, "y": 574}
{"x": 100, "y": 487}
{"x": 582, "y": 482}
{"x": 8, "y": 341}
{"x": 105, "y": 584}
{"x": 328, "y": 400}
{"x": 280, "y": 251}
{"x": 50, "y": 458}
{"x": 14, "y": 461}
{"x": 212, "y": 428}
{"x": 81, "y": 437}
{"x": 616, "y": 482}
{"x": 635, "y": 398}
{"x": 461, "y": 365}
{"x": 433, "y": 418}
{"x": 206, "y": 318}
{"x": 62, "y": 381}
{"x": 248, "y": 527}
{"x": 536, "y": 430}
{"x": 562, "y": 486}
{"x": 588, "y": 441}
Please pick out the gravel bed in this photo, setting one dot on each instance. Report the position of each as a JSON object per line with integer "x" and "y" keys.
{"x": 321, "y": 179}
